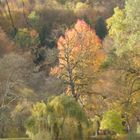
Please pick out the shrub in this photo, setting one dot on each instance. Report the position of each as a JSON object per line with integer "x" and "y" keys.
{"x": 112, "y": 121}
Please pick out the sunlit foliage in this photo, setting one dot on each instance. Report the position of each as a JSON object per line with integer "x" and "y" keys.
{"x": 54, "y": 118}
{"x": 80, "y": 56}
{"x": 64, "y": 73}
{"x": 124, "y": 27}
{"x": 112, "y": 121}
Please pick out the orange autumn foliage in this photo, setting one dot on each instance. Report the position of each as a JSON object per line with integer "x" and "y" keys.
{"x": 80, "y": 56}
{"x": 81, "y": 40}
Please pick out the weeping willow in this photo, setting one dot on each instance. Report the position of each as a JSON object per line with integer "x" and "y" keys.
{"x": 60, "y": 117}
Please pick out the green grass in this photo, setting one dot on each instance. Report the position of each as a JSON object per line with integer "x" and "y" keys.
{"x": 15, "y": 139}
{"x": 121, "y": 137}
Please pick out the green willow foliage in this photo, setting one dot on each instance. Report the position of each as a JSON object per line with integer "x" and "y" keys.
{"x": 61, "y": 117}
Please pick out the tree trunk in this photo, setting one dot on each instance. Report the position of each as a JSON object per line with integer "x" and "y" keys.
{"x": 128, "y": 124}
{"x": 11, "y": 18}
{"x": 24, "y": 14}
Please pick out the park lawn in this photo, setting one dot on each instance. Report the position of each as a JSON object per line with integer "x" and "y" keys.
{"x": 120, "y": 137}
{"x": 15, "y": 139}
{"x": 103, "y": 137}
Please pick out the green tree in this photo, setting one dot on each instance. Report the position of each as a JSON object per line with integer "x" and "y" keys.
{"x": 100, "y": 28}
{"x": 124, "y": 27}
{"x": 112, "y": 121}
{"x": 125, "y": 32}
{"x": 60, "y": 117}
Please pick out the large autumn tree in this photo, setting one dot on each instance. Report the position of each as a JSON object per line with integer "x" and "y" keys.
{"x": 80, "y": 57}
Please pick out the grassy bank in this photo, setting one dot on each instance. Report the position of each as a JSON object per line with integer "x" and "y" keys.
{"x": 15, "y": 139}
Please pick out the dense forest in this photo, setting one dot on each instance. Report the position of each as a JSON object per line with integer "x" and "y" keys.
{"x": 70, "y": 69}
